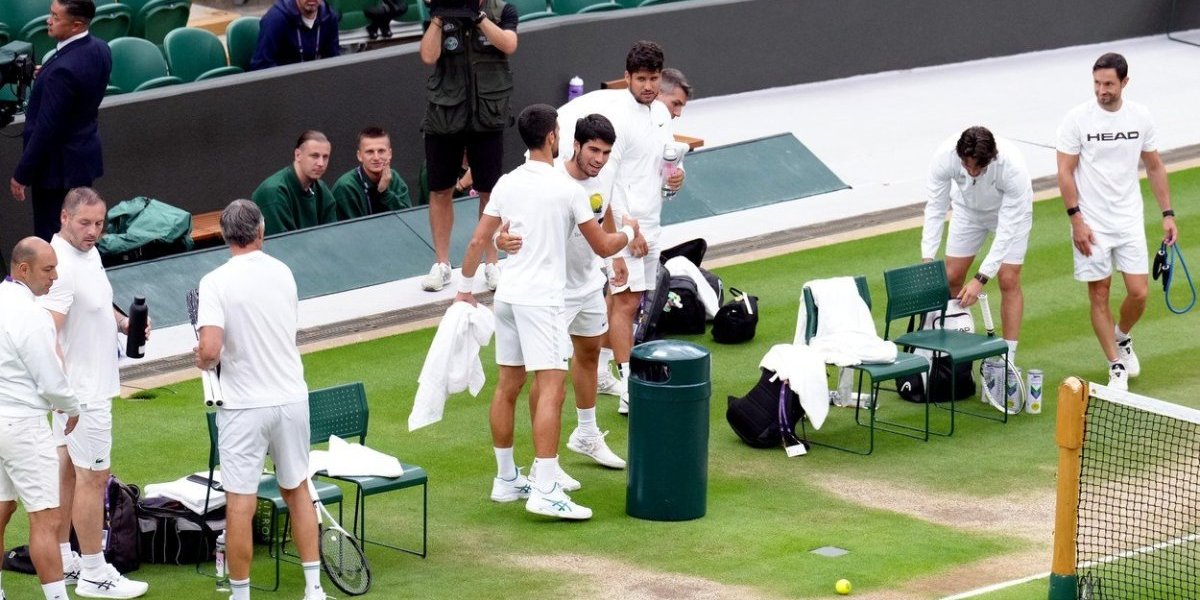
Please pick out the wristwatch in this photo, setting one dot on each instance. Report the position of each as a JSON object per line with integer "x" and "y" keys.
{"x": 1071, "y": 211}
{"x": 1168, "y": 213}
{"x": 479, "y": 19}
{"x": 981, "y": 278}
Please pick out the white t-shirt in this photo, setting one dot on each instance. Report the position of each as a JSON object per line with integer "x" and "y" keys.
{"x": 252, "y": 297}
{"x": 585, "y": 270}
{"x": 543, "y": 205}
{"x": 1109, "y": 146}
{"x": 89, "y": 335}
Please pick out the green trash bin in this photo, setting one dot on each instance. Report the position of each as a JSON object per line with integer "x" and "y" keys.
{"x": 669, "y": 389}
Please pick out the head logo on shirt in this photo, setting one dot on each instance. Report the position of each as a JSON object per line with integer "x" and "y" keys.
{"x": 1112, "y": 137}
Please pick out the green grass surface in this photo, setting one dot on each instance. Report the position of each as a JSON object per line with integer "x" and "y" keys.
{"x": 765, "y": 511}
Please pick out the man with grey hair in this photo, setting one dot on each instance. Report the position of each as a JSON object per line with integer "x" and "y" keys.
{"x": 247, "y": 321}
{"x": 31, "y": 383}
{"x": 674, "y": 91}
{"x": 81, "y": 305}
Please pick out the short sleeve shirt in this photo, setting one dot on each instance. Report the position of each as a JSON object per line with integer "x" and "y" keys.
{"x": 584, "y": 267}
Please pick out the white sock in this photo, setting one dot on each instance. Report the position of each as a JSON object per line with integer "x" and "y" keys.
{"x": 587, "y": 420}
{"x": 312, "y": 578}
{"x": 91, "y": 563}
{"x": 1121, "y": 335}
{"x": 545, "y": 472}
{"x": 1012, "y": 351}
{"x": 606, "y": 356}
{"x": 624, "y": 369}
{"x": 65, "y": 550}
{"x": 56, "y": 591}
{"x": 241, "y": 589}
{"x": 505, "y": 467}
{"x": 1116, "y": 361}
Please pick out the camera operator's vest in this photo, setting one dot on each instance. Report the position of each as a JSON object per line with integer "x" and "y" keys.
{"x": 470, "y": 87}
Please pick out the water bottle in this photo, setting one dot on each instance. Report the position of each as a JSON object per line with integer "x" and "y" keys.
{"x": 671, "y": 159}
{"x": 222, "y": 572}
{"x": 139, "y": 313}
{"x": 574, "y": 88}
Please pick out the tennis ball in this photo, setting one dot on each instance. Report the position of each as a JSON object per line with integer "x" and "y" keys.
{"x": 597, "y": 201}
{"x": 842, "y": 586}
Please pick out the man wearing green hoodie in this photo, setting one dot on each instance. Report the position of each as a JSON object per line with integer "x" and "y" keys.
{"x": 373, "y": 186}
{"x": 295, "y": 197}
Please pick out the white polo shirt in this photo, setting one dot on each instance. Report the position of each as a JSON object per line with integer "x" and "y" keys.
{"x": 31, "y": 378}
{"x": 252, "y": 297}
{"x": 585, "y": 269}
{"x": 1109, "y": 146}
{"x": 89, "y": 335}
{"x": 543, "y": 205}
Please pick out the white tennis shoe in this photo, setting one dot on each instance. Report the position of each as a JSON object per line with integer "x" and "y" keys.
{"x": 108, "y": 583}
{"x": 593, "y": 445}
{"x": 1118, "y": 377}
{"x": 438, "y": 278}
{"x": 607, "y": 384}
{"x": 1125, "y": 352}
{"x": 510, "y": 490}
{"x": 556, "y": 503}
{"x": 566, "y": 482}
{"x": 491, "y": 275}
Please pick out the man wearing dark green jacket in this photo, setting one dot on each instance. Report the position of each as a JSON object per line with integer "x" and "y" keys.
{"x": 373, "y": 186}
{"x": 295, "y": 197}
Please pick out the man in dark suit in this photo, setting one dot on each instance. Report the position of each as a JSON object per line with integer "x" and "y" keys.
{"x": 62, "y": 138}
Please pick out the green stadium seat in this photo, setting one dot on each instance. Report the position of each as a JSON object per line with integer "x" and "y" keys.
{"x": 242, "y": 38}
{"x": 575, "y": 7}
{"x": 906, "y": 364}
{"x": 530, "y": 10}
{"x": 652, "y": 2}
{"x": 195, "y": 54}
{"x": 112, "y": 21}
{"x": 35, "y": 32}
{"x": 136, "y": 27}
{"x": 5, "y": 36}
{"x": 17, "y": 14}
{"x": 157, "y": 18}
{"x": 351, "y": 13}
{"x": 139, "y": 65}
{"x": 414, "y": 14}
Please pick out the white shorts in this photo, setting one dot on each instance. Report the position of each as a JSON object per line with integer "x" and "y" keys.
{"x": 586, "y": 315}
{"x": 1126, "y": 253}
{"x": 28, "y": 463}
{"x": 90, "y": 443}
{"x": 643, "y": 272}
{"x": 246, "y": 435}
{"x": 968, "y": 232}
{"x": 534, "y": 337}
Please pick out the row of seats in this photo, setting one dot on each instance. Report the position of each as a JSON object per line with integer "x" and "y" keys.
{"x": 540, "y": 9}
{"x": 188, "y": 54}
{"x": 147, "y": 19}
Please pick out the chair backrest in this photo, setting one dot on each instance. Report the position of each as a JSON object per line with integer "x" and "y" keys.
{"x": 242, "y": 36}
{"x": 18, "y": 13}
{"x": 340, "y": 410}
{"x": 134, "y": 62}
{"x": 414, "y": 12}
{"x": 112, "y": 21}
{"x": 915, "y": 290}
{"x": 192, "y": 51}
{"x": 350, "y": 12}
{"x": 529, "y": 7}
{"x": 160, "y": 17}
{"x": 812, "y": 311}
{"x": 571, "y": 7}
{"x": 37, "y": 33}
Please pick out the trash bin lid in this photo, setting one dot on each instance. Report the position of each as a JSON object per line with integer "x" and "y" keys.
{"x": 669, "y": 362}
{"x": 669, "y": 351}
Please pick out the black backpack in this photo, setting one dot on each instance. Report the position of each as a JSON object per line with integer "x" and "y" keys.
{"x": 170, "y": 533}
{"x": 121, "y": 523}
{"x": 683, "y": 313}
{"x": 737, "y": 321}
{"x": 650, "y": 310}
{"x": 767, "y": 415}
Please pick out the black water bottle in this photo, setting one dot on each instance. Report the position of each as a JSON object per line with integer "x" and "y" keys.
{"x": 135, "y": 345}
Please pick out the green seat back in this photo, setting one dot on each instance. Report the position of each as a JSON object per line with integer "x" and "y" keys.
{"x": 5, "y": 36}
{"x": 915, "y": 290}
{"x": 136, "y": 27}
{"x": 339, "y": 410}
{"x": 191, "y": 52}
{"x": 112, "y": 21}
{"x": 135, "y": 62}
{"x": 571, "y": 7}
{"x": 160, "y": 17}
{"x": 18, "y": 13}
{"x": 242, "y": 37}
{"x": 811, "y": 311}
{"x": 413, "y": 14}
{"x": 350, "y": 12}
{"x": 35, "y": 32}
{"x": 531, "y": 9}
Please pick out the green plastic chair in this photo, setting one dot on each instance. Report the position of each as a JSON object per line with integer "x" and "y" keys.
{"x": 531, "y": 10}
{"x": 160, "y": 17}
{"x": 576, "y": 7}
{"x": 916, "y": 290}
{"x": 136, "y": 27}
{"x": 18, "y": 14}
{"x": 196, "y": 54}
{"x": 242, "y": 37}
{"x": 139, "y": 65}
{"x": 36, "y": 33}
{"x": 112, "y": 21}
{"x": 906, "y": 364}
{"x": 351, "y": 13}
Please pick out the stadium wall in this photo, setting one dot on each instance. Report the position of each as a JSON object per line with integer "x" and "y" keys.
{"x": 202, "y": 145}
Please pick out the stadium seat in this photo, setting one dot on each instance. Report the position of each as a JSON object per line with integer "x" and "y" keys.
{"x": 195, "y": 54}
{"x": 269, "y": 497}
{"x": 112, "y": 21}
{"x": 350, "y": 13}
{"x": 906, "y": 364}
{"x": 18, "y": 14}
{"x": 139, "y": 65}
{"x": 414, "y": 14}
{"x": 342, "y": 411}
{"x": 157, "y": 18}
{"x": 652, "y": 2}
{"x": 916, "y": 290}
{"x": 36, "y": 33}
{"x": 530, "y": 10}
{"x": 5, "y": 36}
{"x": 242, "y": 37}
{"x": 574, "y": 7}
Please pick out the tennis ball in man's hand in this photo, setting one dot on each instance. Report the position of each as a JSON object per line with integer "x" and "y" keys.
{"x": 842, "y": 586}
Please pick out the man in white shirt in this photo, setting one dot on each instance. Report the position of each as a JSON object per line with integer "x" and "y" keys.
{"x": 1099, "y": 144}
{"x": 247, "y": 319}
{"x": 32, "y": 383}
{"x": 81, "y": 305}
{"x": 674, "y": 91}
{"x": 543, "y": 206}
{"x": 985, "y": 182}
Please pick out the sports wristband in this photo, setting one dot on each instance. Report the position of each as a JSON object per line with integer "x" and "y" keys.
{"x": 496, "y": 239}
{"x": 1168, "y": 213}
{"x": 629, "y": 235}
{"x": 466, "y": 285}
{"x": 1071, "y": 211}
{"x": 982, "y": 279}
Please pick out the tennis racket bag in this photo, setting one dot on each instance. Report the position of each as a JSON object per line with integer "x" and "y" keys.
{"x": 170, "y": 533}
{"x": 121, "y": 525}
{"x": 766, "y": 414}
{"x": 914, "y": 387}
{"x": 650, "y": 309}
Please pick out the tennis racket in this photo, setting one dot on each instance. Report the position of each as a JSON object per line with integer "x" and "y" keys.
{"x": 997, "y": 395}
{"x": 342, "y": 557}
{"x": 208, "y": 378}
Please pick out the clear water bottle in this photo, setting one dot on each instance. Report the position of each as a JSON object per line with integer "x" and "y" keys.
{"x": 222, "y": 571}
{"x": 574, "y": 88}
{"x": 139, "y": 313}
{"x": 671, "y": 160}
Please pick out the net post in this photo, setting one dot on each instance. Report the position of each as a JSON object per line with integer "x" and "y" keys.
{"x": 1068, "y": 435}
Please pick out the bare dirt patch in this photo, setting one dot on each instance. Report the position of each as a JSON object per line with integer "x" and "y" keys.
{"x": 615, "y": 580}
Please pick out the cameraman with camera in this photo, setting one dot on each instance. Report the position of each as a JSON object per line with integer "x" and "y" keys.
{"x": 468, "y": 41}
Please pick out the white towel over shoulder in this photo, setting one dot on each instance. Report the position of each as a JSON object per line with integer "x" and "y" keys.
{"x": 452, "y": 364}
{"x": 845, "y": 331}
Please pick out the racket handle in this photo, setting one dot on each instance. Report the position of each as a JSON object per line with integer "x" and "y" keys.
{"x": 208, "y": 392}
{"x": 986, "y": 308}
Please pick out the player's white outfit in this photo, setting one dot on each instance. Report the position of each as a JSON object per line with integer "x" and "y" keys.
{"x": 252, "y": 298}
{"x": 1109, "y": 146}
{"x": 544, "y": 206}
{"x": 999, "y": 200}
{"x": 584, "y": 311}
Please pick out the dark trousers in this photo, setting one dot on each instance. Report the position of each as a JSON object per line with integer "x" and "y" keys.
{"x": 381, "y": 16}
{"x": 47, "y": 210}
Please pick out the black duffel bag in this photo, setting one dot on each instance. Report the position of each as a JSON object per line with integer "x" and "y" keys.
{"x": 737, "y": 321}
{"x": 172, "y": 534}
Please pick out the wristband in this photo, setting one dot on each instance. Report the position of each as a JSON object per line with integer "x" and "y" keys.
{"x": 1072, "y": 211}
{"x": 480, "y": 17}
{"x": 1168, "y": 213}
{"x": 466, "y": 285}
{"x": 496, "y": 239}
{"x": 981, "y": 278}
{"x": 629, "y": 235}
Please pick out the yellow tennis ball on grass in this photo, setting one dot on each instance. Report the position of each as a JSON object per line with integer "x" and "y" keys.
{"x": 842, "y": 586}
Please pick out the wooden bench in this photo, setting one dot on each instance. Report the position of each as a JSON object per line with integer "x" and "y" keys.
{"x": 206, "y": 227}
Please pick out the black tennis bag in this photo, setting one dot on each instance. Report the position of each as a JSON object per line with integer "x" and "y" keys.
{"x": 650, "y": 310}
{"x": 684, "y": 313}
{"x": 170, "y": 533}
{"x": 766, "y": 414}
{"x": 914, "y": 387}
{"x": 121, "y": 524}
{"x": 737, "y": 321}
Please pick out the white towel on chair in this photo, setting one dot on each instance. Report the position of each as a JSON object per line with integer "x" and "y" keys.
{"x": 804, "y": 371}
{"x": 845, "y": 331}
{"x": 344, "y": 459}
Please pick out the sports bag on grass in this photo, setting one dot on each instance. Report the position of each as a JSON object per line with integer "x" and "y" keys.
{"x": 170, "y": 533}
{"x": 766, "y": 414}
{"x": 650, "y": 309}
{"x": 121, "y": 525}
{"x": 913, "y": 387}
{"x": 737, "y": 321}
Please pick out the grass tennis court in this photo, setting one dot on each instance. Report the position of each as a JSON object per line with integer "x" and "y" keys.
{"x": 921, "y": 520}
